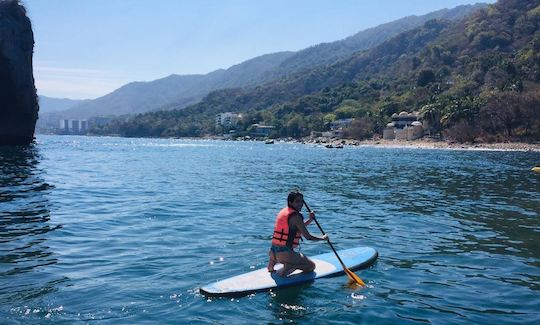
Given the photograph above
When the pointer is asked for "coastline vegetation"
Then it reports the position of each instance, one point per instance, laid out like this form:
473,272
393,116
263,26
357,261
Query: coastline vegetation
475,80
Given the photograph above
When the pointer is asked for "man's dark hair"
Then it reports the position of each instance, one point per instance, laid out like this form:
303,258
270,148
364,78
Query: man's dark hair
292,196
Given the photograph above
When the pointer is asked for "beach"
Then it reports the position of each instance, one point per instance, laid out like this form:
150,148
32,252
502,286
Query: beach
431,144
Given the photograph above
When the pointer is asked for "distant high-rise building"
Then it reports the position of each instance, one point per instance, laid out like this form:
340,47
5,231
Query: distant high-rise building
83,126
227,119
75,126
64,126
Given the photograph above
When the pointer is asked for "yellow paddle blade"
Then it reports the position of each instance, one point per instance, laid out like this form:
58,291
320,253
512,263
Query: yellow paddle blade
354,278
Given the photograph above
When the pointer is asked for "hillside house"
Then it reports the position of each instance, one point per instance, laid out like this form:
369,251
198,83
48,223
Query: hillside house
261,131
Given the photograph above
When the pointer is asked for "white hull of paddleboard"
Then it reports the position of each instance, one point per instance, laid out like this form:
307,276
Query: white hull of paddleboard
326,265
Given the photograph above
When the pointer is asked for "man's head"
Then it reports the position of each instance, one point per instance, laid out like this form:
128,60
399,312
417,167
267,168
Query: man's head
295,200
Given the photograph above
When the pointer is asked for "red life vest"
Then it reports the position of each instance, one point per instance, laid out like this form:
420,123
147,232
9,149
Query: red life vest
281,230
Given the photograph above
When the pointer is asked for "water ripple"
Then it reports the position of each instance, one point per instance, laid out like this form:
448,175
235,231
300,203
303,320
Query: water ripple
126,230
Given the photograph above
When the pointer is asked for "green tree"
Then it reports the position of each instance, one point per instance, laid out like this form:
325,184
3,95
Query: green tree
296,126
360,128
432,114
425,77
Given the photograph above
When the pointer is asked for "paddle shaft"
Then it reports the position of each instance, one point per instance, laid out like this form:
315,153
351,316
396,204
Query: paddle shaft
328,240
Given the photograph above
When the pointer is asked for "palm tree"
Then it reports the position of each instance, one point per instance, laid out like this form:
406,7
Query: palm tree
431,114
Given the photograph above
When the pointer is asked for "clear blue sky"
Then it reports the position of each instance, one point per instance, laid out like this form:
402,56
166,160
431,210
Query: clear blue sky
86,49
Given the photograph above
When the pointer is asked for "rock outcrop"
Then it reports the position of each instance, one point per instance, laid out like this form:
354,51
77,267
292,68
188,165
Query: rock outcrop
18,99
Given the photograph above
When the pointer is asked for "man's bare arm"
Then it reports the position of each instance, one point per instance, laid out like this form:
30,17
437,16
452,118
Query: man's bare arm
296,220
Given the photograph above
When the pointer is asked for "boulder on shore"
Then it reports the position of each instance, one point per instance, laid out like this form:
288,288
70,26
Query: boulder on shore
18,98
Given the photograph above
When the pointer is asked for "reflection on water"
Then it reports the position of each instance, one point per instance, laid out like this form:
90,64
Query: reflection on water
24,227
288,303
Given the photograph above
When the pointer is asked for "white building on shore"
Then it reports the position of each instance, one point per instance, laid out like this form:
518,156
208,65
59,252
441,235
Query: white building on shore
74,126
227,119
404,126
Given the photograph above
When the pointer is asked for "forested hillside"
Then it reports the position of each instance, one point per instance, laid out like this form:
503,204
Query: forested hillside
475,79
329,53
179,91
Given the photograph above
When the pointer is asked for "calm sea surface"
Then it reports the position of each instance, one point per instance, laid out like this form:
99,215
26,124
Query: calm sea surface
115,230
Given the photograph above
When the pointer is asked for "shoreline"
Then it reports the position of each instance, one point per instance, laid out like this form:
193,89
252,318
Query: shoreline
426,143
435,144
441,144
420,144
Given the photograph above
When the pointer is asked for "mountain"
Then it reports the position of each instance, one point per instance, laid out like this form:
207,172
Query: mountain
178,91
475,79
50,104
175,91
328,53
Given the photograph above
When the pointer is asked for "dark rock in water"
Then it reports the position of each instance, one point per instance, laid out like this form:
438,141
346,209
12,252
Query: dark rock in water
18,98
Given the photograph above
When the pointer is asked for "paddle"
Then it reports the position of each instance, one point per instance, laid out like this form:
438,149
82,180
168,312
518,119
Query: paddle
353,277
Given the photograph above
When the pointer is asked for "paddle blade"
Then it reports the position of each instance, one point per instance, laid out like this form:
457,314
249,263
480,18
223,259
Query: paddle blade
354,278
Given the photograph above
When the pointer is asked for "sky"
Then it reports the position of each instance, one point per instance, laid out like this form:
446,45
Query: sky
86,49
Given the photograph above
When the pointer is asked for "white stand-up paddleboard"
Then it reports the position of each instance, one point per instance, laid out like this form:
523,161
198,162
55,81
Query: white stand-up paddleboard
327,265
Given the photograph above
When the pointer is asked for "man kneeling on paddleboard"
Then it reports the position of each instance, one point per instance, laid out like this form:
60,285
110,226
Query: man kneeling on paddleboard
288,230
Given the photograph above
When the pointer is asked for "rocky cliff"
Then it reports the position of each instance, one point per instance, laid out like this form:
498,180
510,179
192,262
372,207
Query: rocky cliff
18,99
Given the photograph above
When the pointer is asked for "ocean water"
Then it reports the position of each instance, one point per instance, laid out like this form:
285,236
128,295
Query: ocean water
125,231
